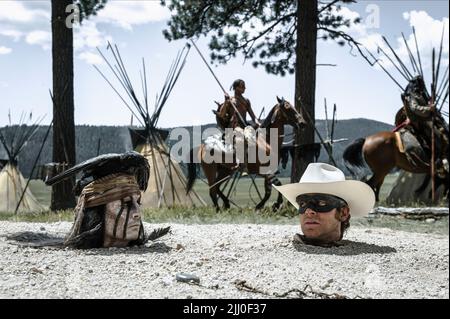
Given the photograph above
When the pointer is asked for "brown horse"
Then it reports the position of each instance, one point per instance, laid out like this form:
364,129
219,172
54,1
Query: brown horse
218,172
380,152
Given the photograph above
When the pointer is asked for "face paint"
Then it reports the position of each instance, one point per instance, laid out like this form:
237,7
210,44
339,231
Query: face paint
122,221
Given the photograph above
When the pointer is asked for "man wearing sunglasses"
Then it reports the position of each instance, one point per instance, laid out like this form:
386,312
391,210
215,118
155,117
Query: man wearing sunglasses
325,202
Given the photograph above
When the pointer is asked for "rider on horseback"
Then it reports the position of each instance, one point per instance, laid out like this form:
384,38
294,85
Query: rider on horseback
420,110
232,114
242,105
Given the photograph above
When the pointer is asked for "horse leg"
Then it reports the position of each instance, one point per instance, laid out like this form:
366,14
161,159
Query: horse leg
210,171
226,201
222,174
267,192
276,206
380,153
371,183
375,183
213,195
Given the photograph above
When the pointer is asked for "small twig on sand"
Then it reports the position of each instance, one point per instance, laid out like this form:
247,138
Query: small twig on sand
307,291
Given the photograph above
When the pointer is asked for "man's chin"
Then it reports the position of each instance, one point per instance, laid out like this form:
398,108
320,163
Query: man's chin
311,233
311,229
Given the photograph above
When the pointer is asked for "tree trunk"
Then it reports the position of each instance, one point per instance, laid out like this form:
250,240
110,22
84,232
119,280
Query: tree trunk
305,81
63,105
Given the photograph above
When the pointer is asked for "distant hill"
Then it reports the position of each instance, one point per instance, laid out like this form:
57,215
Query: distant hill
115,139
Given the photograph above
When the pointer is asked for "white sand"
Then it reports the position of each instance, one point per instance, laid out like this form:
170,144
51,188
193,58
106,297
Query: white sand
377,263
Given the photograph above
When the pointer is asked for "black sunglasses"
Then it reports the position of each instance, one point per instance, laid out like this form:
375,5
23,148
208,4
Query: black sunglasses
320,203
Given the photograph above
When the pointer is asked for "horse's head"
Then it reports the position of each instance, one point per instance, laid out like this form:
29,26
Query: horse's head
287,114
223,114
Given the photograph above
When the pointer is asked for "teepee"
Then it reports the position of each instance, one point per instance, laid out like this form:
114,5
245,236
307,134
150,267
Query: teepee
167,183
12,183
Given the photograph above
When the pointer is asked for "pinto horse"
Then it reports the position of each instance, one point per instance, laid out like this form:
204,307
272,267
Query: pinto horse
218,172
380,152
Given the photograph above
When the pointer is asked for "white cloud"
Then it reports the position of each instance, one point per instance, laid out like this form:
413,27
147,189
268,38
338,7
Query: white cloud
39,37
372,41
90,58
16,11
88,36
428,31
361,32
5,50
358,29
11,33
30,22
129,13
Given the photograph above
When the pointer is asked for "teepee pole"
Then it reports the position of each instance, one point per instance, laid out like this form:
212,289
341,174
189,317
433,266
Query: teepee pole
155,168
402,73
326,119
333,122
159,141
444,81
436,80
411,56
402,65
385,71
182,179
162,189
34,166
417,52
433,142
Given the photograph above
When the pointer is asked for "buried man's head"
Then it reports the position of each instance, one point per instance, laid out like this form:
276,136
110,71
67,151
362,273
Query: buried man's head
108,214
326,201
323,217
108,210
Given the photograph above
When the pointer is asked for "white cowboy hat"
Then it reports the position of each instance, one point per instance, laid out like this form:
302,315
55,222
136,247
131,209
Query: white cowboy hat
326,179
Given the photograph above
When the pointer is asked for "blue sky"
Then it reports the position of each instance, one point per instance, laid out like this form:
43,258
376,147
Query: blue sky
136,27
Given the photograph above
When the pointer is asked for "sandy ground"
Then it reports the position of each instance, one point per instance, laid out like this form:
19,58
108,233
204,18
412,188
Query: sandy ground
375,263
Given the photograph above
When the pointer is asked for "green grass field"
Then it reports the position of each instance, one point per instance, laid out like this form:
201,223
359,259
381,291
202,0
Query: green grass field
243,195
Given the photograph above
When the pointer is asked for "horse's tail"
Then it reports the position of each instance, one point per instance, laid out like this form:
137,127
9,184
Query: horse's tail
353,156
192,171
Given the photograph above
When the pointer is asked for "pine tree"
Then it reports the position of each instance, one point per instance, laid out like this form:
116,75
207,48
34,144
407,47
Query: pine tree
63,93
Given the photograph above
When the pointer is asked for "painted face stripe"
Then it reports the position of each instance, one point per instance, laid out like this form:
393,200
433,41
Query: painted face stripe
116,222
126,220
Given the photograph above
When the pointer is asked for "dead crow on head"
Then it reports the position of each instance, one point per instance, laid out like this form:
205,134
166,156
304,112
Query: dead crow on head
131,163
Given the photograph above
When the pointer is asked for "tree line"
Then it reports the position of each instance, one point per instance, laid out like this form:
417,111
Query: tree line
93,140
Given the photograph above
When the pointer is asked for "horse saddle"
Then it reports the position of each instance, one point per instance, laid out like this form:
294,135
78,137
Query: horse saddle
408,144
